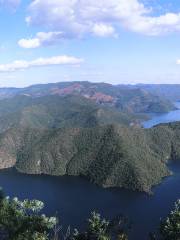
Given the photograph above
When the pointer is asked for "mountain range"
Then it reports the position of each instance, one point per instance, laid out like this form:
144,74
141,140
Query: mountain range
126,98
72,132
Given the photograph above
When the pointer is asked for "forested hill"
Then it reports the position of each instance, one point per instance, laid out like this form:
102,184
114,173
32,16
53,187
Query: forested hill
110,155
168,91
131,99
57,112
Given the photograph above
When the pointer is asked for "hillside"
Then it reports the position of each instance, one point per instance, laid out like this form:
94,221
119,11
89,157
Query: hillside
57,112
168,91
110,155
124,98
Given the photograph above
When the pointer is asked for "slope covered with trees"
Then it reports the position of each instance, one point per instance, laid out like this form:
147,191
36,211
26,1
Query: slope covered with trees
56,112
110,155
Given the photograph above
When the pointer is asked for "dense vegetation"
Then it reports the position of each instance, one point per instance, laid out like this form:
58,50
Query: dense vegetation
58,112
170,228
22,220
109,155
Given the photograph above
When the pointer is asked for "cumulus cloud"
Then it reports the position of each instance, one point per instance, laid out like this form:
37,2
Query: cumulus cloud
41,39
57,60
50,38
103,30
102,17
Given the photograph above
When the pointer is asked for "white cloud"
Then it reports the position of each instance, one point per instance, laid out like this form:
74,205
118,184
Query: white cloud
50,38
178,62
41,39
29,43
57,60
103,30
103,18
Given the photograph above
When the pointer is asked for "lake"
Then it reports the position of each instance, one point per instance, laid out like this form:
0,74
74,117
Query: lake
164,118
74,198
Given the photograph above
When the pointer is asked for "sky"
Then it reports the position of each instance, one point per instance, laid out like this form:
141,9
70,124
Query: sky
114,41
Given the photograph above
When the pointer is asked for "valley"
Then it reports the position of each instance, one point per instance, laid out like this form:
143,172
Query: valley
68,145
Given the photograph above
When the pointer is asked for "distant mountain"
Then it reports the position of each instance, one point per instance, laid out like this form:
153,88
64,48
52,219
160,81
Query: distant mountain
124,98
57,112
168,91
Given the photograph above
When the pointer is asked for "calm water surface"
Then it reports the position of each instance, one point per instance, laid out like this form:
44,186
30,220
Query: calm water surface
164,118
73,198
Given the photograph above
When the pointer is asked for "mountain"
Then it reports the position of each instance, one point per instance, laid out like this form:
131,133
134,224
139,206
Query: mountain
109,155
57,112
123,98
168,91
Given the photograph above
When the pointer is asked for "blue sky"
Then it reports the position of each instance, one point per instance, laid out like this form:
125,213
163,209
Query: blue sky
115,41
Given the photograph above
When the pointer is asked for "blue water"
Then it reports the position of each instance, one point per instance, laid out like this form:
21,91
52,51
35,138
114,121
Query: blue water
164,118
72,199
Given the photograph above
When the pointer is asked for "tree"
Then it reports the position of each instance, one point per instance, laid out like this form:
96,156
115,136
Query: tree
100,229
170,228
21,220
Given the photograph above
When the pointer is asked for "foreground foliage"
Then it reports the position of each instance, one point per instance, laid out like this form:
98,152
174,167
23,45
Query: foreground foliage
101,229
170,228
23,220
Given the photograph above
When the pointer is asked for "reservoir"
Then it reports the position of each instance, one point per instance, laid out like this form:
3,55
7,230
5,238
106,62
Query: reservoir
164,118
